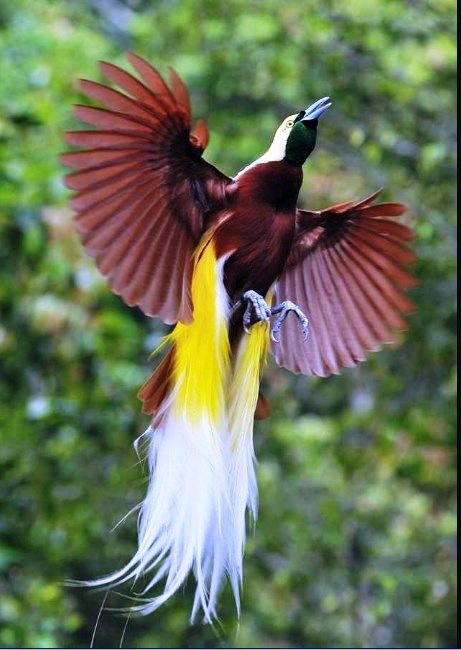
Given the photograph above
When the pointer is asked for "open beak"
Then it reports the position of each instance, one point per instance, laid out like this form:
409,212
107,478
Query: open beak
316,109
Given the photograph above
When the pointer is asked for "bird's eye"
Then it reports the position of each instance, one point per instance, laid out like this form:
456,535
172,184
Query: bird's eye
290,123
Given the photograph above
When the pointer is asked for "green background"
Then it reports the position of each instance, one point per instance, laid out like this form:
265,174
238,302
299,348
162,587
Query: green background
355,543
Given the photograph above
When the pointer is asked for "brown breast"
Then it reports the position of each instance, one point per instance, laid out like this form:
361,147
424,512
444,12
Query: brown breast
259,228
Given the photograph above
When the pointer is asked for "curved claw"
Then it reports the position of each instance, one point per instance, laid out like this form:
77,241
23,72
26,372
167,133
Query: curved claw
255,303
282,312
258,309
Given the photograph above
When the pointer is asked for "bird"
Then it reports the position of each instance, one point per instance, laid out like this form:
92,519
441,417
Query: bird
238,270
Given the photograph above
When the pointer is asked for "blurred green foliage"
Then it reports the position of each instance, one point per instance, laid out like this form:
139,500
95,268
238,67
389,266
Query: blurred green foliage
355,545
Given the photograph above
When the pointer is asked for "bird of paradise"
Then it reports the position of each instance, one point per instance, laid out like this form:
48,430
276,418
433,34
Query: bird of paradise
225,260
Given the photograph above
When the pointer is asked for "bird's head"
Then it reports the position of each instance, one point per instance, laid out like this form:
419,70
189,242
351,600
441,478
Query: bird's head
295,138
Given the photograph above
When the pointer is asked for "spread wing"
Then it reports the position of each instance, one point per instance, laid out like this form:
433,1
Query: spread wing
143,190
346,271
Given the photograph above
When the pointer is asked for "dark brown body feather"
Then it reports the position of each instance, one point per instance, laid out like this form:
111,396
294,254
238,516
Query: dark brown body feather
256,232
259,232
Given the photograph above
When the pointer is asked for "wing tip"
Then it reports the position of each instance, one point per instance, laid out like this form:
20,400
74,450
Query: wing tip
64,158
135,60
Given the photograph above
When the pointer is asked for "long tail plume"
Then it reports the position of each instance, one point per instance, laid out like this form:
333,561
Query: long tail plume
201,459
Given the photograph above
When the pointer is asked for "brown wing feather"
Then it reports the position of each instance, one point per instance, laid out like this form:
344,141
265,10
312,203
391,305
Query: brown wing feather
142,188
346,270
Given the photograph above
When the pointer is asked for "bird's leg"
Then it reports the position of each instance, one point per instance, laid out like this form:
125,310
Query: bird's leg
257,304
282,311
257,310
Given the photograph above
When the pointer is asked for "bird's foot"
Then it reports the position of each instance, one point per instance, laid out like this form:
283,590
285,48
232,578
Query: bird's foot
281,312
258,310
256,304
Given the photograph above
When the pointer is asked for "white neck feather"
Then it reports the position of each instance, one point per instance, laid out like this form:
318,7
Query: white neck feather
277,149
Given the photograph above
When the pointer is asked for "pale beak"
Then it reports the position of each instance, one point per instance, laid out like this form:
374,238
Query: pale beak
316,109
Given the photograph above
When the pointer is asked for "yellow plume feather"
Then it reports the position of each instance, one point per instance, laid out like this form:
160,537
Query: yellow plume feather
202,354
